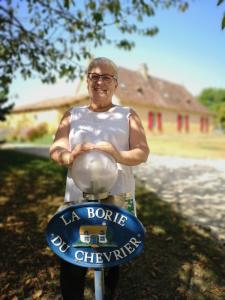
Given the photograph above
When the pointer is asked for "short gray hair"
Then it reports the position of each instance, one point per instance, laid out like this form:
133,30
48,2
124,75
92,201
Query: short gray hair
105,60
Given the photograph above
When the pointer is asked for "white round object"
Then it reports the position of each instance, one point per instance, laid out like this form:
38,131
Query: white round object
94,172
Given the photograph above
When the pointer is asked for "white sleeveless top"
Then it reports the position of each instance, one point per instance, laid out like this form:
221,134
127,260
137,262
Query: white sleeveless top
111,126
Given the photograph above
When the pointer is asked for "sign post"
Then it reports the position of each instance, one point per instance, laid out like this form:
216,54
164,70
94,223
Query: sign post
99,284
95,235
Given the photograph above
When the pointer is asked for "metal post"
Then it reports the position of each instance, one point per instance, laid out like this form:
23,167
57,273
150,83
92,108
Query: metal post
99,284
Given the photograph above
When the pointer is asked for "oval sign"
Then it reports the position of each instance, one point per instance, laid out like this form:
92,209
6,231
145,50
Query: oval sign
95,235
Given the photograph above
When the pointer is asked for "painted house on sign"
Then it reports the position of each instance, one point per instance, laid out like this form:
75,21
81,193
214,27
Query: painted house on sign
164,107
93,235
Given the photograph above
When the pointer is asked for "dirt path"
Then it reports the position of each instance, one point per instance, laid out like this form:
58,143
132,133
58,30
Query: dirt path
42,151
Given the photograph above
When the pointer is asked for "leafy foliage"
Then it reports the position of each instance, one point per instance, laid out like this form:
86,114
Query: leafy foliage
214,99
52,38
223,20
220,2
4,89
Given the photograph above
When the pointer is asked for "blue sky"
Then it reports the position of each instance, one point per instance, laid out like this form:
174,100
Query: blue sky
189,49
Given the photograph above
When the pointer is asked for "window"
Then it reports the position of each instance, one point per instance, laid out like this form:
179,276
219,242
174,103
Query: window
140,91
87,239
159,121
151,120
155,121
102,238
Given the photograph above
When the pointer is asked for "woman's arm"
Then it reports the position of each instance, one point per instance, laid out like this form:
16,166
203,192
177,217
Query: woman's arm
60,150
139,149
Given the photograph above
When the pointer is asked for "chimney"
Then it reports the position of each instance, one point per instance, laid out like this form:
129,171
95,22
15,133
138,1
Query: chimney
143,69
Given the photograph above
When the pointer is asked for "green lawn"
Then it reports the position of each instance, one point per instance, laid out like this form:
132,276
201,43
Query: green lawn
180,261
199,146
44,140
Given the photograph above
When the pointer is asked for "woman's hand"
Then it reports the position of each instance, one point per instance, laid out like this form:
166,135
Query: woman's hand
80,148
108,148
66,157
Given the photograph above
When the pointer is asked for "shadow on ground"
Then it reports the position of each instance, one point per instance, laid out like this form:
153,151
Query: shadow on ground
180,261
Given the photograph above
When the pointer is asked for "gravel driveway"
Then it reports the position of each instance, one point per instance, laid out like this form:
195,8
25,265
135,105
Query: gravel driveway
196,187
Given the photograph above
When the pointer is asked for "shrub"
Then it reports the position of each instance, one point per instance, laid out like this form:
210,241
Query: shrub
24,134
36,132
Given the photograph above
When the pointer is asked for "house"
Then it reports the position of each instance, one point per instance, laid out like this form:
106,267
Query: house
48,111
163,106
93,234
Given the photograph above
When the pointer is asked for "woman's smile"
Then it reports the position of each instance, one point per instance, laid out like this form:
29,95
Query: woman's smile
100,90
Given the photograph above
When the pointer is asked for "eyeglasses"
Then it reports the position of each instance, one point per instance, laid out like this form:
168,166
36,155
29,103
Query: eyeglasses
106,78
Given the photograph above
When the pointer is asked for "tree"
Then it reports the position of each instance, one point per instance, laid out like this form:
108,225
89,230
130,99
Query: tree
52,38
214,99
221,116
4,89
219,2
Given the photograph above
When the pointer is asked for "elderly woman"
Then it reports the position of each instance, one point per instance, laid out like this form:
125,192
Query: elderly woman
102,126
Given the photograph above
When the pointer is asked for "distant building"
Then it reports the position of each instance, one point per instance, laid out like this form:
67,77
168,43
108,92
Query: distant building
163,106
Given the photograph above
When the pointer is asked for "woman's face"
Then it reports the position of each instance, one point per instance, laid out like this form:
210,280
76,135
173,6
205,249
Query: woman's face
101,89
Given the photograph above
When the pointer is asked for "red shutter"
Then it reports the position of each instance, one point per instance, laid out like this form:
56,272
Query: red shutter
150,120
179,122
159,121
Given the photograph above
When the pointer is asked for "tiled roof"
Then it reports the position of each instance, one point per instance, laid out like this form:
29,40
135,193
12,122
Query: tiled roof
135,88
50,104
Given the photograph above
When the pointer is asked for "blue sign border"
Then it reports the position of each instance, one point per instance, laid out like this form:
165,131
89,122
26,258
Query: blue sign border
71,234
